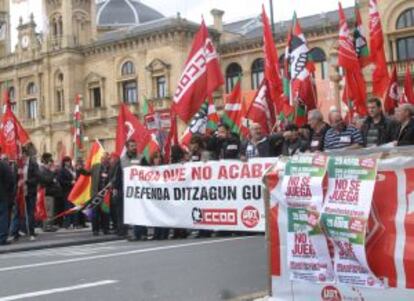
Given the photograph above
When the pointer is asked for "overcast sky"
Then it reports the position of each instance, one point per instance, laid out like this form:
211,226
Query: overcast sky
194,9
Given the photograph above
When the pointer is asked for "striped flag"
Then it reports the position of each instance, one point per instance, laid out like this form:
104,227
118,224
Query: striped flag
232,109
77,130
360,41
212,116
81,191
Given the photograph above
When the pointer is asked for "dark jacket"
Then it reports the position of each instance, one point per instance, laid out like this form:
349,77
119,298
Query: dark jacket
48,179
387,129
228,148
98,182
117,175
270,146
406,136
65,178
290,149
316,139
6,182
32,177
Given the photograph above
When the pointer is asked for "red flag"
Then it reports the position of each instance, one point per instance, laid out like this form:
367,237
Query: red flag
271,68
129,127
172,139
40,209
407,96
200,78
380,77
12,132
348,60
261,109
392,97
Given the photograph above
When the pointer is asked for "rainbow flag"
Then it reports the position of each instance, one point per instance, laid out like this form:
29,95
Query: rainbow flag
81,191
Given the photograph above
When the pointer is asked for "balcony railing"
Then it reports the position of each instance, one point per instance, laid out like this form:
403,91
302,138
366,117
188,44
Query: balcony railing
401,66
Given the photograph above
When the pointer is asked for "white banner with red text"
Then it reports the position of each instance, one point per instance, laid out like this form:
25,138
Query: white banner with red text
216,195
385,250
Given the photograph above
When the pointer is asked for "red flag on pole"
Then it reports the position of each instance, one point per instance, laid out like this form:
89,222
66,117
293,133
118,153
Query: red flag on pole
129,127
271,69
393,96
380,77
172,139
261,109
12,132
200,78
348,60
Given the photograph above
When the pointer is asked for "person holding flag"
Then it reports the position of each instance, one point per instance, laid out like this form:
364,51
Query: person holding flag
6,188
131,157
49,181
100,175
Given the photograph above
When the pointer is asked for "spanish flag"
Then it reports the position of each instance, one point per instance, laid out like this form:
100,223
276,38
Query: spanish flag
81,191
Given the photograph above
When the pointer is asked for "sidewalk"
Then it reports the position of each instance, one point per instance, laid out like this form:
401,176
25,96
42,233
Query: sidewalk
61,238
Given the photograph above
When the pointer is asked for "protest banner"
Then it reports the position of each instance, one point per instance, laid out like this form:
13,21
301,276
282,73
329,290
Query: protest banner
308,254
216,195
389,237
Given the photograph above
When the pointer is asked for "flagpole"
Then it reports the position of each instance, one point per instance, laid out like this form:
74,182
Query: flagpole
271,17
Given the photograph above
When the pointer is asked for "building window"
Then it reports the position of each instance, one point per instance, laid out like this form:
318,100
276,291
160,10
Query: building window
319,56
60,101
405,48
406,19
161,83
233,72
32,109
257,73
129,91
128,68
95,96
31,89
12,98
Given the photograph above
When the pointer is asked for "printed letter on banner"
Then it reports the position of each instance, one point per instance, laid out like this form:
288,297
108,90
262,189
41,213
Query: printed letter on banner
308,254
345,217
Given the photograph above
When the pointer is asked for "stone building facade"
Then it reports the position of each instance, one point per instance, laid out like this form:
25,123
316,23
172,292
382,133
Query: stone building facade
122,51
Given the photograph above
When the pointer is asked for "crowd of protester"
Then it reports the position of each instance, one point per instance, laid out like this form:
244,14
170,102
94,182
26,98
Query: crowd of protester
58,179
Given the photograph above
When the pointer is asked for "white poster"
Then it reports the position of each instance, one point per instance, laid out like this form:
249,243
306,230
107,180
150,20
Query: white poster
216,195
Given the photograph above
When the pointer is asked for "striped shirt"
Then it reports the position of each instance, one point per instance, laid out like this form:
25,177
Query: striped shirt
337,140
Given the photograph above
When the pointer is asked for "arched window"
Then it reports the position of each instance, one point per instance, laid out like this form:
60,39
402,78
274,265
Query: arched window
128,68
318,56
406,19
405,45
31,89
257,73
233,72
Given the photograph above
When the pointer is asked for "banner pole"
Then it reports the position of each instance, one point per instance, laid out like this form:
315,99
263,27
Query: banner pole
266,198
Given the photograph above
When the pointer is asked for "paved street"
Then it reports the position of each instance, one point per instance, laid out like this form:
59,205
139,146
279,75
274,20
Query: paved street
191,269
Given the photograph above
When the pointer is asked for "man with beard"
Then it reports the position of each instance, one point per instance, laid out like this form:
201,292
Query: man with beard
130,158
